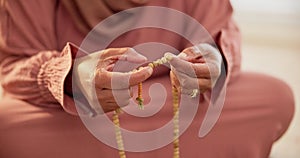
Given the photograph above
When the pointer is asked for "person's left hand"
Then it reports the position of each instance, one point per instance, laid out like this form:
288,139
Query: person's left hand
196,68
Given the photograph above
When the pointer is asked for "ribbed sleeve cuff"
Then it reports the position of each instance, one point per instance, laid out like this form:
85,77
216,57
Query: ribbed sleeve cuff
51,79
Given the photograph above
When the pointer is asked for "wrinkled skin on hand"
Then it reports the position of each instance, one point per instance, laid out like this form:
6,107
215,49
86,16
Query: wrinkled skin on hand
196,67
113,89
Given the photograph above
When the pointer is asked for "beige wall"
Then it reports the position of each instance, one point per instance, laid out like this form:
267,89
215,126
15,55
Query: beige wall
271,35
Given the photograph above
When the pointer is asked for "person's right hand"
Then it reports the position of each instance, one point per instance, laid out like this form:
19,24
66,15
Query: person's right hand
113,89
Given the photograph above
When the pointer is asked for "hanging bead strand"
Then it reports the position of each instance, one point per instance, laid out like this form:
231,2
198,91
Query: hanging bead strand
176,153
167,57
118,134
140,99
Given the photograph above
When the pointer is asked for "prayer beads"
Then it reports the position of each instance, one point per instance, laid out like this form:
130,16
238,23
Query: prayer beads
118,134
176,154
167,57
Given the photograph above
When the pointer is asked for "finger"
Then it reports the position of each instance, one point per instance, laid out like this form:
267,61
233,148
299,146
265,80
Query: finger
119,97
119,80
206,70
203,49
106,53
141,75
133,56
202,84
121,61
200,53
182,66
195,70
190,51
196,59
109,94
109,106
124,54
110,67
112,105
188,83
189,56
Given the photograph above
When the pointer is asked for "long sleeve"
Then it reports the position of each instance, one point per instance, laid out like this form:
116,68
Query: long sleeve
216,17
31,68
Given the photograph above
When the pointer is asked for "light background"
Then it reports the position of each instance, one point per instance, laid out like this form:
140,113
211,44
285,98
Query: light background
271,44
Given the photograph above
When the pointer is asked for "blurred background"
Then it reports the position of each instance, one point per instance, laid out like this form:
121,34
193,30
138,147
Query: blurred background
271,45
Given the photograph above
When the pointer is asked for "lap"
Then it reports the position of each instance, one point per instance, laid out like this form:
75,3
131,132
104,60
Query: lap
257,110
266,95
30,131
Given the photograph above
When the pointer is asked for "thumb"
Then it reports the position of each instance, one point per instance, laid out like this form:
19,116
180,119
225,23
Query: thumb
119,80
140,75
132,55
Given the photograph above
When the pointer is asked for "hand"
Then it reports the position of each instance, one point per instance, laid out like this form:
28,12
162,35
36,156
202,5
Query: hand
112,89
196,68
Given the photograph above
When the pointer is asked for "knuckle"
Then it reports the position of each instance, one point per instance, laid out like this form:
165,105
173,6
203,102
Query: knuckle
101,96
207,87
140,76
103,104
98,75
101,79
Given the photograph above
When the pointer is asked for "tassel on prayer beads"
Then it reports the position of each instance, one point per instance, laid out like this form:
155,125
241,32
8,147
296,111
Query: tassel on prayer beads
167,57
140,99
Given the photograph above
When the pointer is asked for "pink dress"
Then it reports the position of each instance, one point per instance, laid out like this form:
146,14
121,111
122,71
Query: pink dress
36,58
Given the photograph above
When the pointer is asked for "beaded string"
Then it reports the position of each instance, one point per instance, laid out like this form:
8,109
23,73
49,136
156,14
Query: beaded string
175,122
167,57
119,138
140,100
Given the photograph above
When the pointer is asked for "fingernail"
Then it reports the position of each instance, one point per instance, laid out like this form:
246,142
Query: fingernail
142,57
138,55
